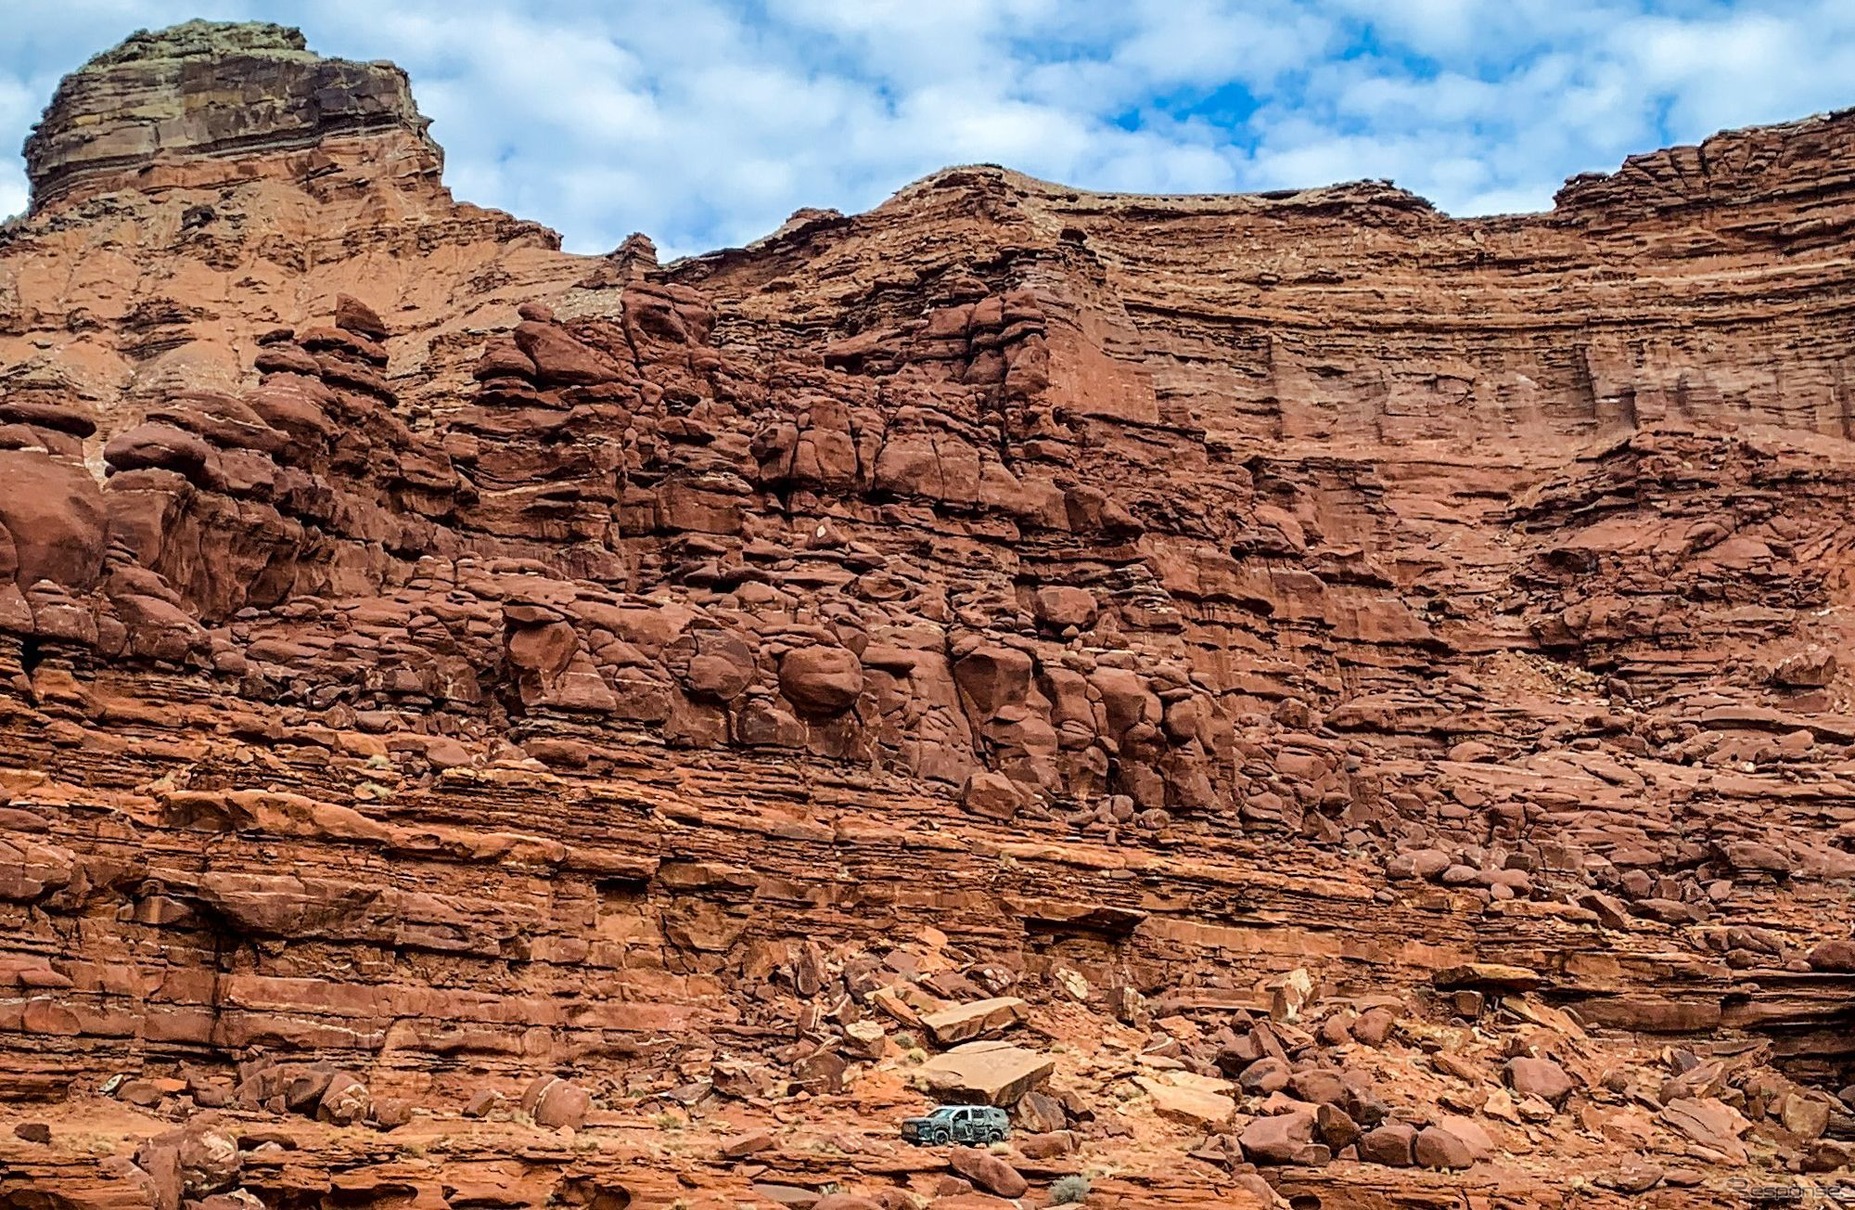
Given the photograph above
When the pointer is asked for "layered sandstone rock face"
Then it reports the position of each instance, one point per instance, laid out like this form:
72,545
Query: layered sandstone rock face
198,103
1290,694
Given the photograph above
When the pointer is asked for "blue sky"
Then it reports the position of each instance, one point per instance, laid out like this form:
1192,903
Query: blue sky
706,122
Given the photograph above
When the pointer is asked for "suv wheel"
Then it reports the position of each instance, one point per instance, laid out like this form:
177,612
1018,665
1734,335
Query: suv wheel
994,1136
938,1136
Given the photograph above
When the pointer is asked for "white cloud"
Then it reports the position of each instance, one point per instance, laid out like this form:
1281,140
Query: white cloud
12,194
1207,43
708,121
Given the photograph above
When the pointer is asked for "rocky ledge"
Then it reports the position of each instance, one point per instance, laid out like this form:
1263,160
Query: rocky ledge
161,103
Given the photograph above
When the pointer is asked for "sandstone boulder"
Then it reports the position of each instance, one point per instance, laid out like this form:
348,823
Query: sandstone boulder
1061,606
751,1143
52,521
821,680
1199,1108
345,1101
1336,1127
1541,1078
201,1157
560,359
158,446
1283,1138
553,1102
1374,1026
1710,1123
1811,668
1438,1148
1836,957
1317,1086
1452,1142
353,315
993,795
1266,1075
1041,1113
990,1073
978,1019
988,1172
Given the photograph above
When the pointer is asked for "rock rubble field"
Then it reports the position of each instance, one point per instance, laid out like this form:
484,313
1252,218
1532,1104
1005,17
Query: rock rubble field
1303,700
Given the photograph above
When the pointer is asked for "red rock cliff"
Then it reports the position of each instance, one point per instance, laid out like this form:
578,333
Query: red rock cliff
1339,687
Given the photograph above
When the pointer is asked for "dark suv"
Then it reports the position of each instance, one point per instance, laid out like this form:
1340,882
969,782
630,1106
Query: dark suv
958,1124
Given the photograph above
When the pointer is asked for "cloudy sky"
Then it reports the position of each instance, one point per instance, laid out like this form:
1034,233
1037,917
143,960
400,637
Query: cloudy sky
706,122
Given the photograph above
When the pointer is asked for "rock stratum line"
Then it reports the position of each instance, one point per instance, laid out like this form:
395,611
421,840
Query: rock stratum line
1301,698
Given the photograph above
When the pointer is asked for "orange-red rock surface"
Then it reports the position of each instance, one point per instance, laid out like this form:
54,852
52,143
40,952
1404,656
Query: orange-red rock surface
1298,696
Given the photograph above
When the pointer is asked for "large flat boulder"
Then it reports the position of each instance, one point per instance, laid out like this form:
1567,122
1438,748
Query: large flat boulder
1201,1108
1710,1123
979,1019
990,1073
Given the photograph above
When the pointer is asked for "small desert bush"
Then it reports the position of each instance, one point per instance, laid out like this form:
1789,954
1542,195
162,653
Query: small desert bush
1069,1191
